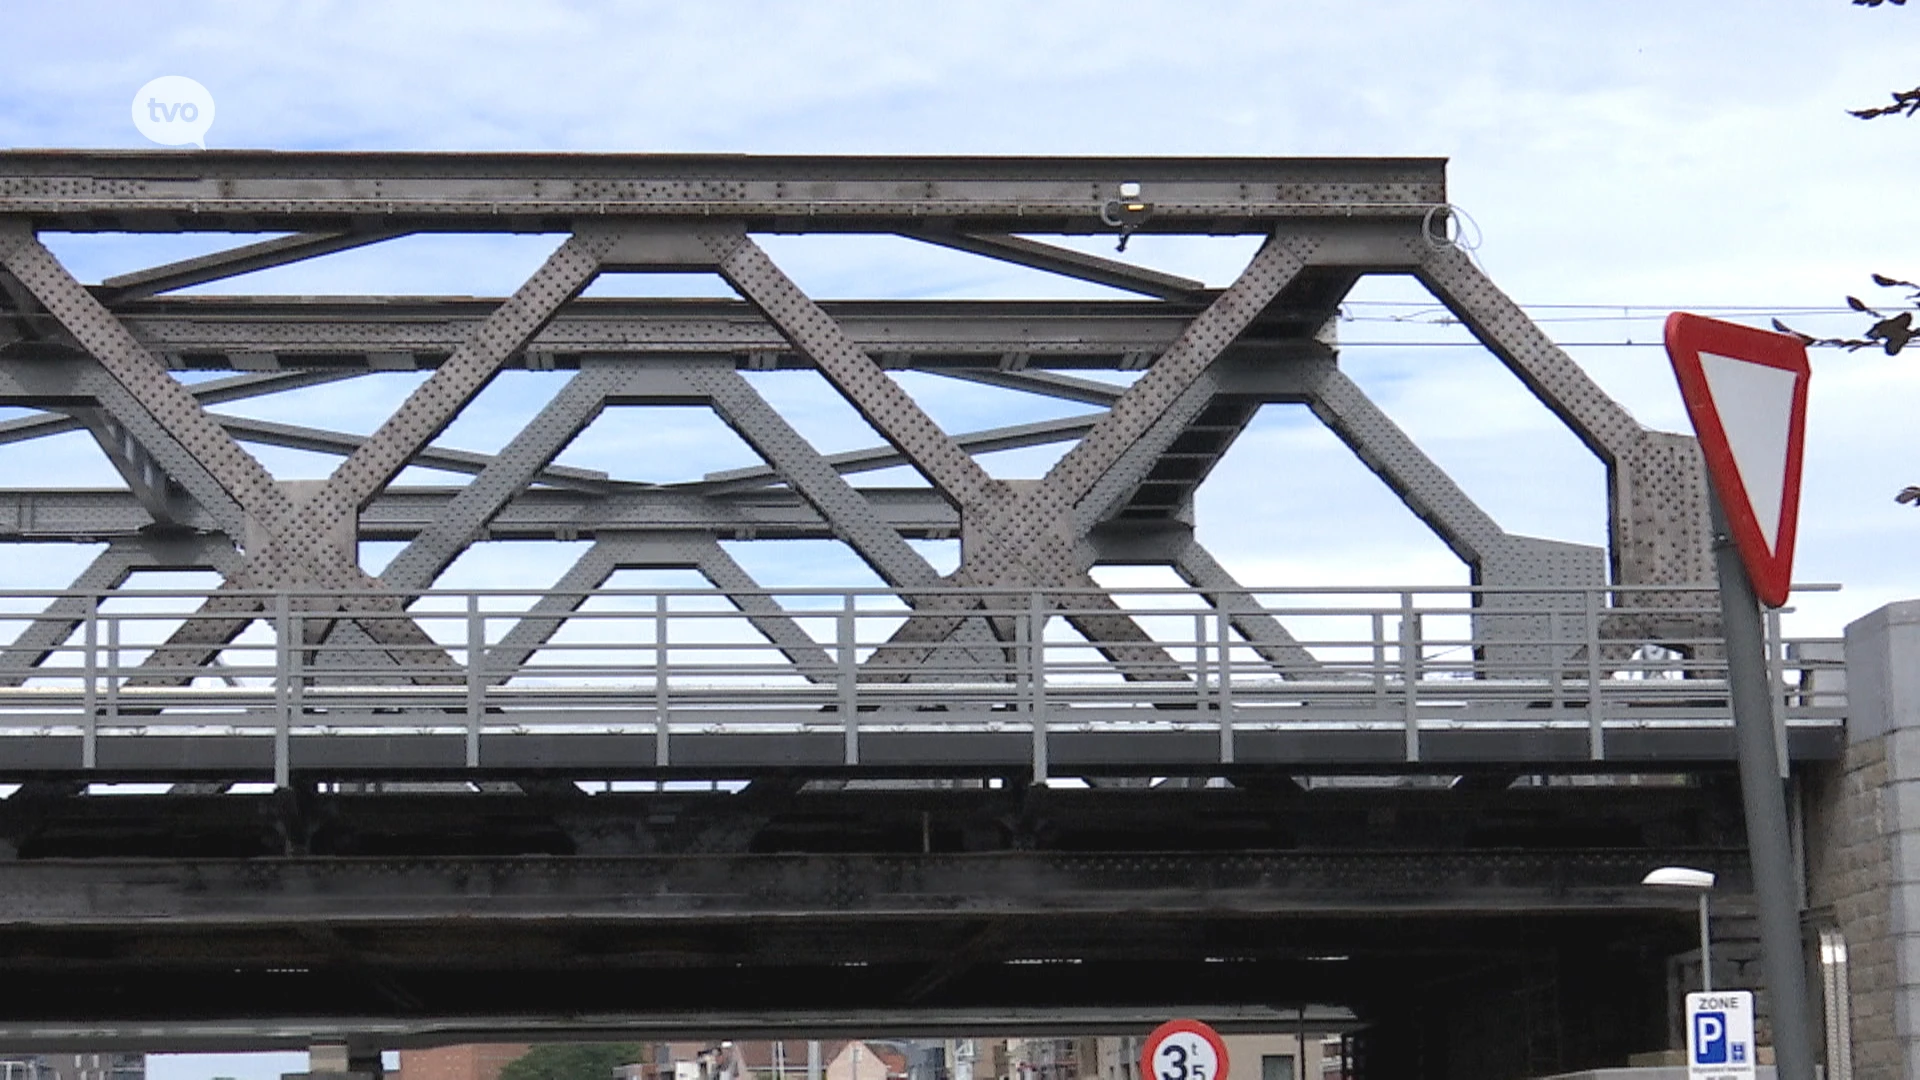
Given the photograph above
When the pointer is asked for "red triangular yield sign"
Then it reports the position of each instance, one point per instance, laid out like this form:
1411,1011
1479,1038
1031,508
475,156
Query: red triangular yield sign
1746,392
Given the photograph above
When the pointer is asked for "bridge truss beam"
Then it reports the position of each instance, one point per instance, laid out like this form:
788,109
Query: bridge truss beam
100,358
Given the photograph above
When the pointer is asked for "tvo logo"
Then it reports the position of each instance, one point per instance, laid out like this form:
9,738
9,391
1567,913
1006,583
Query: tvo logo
174,110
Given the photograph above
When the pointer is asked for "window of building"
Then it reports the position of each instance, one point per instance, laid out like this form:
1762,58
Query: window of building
1276,1067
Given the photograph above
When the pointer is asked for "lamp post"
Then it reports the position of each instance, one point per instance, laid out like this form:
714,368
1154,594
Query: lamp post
1696,881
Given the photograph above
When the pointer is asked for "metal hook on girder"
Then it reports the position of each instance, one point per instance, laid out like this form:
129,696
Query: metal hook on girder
1127,215
1457,228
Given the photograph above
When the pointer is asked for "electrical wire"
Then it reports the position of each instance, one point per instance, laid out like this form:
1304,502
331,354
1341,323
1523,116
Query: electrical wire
1446,225
1344,344
1418,313
1434,315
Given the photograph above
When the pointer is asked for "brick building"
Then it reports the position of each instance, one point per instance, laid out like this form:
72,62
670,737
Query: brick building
478,1061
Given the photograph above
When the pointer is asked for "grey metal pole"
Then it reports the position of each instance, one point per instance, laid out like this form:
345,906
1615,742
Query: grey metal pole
1706,948
1768,845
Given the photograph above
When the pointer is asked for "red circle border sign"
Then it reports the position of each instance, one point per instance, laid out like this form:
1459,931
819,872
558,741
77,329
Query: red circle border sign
1182,1027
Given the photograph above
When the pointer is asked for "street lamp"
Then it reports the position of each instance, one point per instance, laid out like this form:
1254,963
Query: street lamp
1698,881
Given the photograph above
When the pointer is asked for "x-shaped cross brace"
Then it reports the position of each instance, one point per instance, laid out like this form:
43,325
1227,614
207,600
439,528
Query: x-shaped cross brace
295,548
1015,539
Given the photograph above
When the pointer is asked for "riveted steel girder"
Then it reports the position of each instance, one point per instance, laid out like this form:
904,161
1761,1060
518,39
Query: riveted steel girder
35,516
407,333
252,190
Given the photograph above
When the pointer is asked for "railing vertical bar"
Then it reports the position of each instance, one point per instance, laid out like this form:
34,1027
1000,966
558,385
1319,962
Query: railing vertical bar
1037,681
1201,675
1410,672
662,754
294,670
1022,670
847,637
476,683
1380,661
113,671
1556,663
1596,709
1777,682
1225,696
90,722
282,722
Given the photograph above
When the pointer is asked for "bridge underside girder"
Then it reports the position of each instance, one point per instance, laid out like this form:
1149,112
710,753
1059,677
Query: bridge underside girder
782,903
711,748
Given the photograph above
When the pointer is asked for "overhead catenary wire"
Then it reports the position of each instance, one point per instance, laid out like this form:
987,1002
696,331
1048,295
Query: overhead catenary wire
1426,313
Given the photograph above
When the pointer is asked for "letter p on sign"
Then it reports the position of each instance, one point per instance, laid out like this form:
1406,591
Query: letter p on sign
1710,1038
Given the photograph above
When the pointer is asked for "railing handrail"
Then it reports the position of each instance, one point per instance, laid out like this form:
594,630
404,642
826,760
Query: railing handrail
887,591
1421,658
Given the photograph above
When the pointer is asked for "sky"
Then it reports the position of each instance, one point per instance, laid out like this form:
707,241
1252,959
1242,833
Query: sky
1618,160
1637,157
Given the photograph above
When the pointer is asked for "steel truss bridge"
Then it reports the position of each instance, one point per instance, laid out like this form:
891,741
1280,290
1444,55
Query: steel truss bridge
997,797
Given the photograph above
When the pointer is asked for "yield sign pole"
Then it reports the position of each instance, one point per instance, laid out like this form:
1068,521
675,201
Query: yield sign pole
1746,392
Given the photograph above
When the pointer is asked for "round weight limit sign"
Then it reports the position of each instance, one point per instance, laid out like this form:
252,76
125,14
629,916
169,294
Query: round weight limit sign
1183,1050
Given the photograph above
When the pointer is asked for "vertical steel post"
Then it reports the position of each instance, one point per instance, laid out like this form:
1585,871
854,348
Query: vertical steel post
1556,678
90,722
1037,680
847,637
294,670
1777,692
661,753
1706,947
113,671
282,723
476,684
1226,687
1022,662
1768,844
1410,672
1596,708
1837,991
280,659
1200,673
1380,661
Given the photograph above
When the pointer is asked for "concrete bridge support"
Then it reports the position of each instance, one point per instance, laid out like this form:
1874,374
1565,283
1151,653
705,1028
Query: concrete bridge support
1863,848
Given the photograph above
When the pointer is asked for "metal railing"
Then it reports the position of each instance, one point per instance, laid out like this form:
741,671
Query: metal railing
673,663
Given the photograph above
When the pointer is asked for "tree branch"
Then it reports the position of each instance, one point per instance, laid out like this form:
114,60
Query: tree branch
1905,102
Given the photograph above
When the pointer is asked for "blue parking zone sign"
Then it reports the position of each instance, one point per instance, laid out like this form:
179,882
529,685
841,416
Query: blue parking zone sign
1720,1036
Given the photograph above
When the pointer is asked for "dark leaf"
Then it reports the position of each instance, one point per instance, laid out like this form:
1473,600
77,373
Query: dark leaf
1786,329
1894,332
1854,303
1908,495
